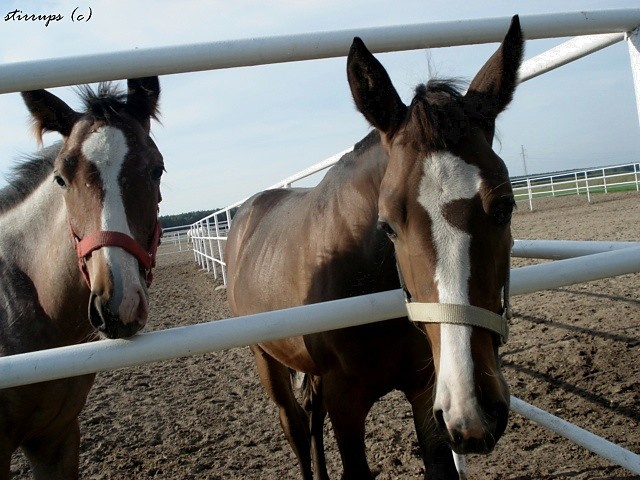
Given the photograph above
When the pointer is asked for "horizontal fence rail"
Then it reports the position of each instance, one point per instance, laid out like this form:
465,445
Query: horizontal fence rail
561,249
582,437
578,182
308,46
222,334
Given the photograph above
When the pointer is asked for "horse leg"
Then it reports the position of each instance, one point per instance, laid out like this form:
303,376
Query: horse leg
55,456
436,454
313,403
5,459
348,405
276,380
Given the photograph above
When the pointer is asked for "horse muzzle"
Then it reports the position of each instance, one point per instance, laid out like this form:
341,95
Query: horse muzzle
118,321
477,434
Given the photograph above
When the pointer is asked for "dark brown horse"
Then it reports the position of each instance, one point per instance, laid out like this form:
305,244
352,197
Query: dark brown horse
78,234
424,195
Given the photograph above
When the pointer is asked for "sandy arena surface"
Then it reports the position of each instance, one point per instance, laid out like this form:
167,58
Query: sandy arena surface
574,351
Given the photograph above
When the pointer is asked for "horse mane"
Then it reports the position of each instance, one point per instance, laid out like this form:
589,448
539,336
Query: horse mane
28,175
436,117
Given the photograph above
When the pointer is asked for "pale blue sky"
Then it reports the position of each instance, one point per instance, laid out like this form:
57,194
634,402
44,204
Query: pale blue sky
226,134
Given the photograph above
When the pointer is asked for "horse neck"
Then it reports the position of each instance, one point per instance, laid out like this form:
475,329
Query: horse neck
39,244
361,255
361,171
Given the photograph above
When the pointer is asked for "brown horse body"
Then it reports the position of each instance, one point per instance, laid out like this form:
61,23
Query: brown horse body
45,300
427,189
342,258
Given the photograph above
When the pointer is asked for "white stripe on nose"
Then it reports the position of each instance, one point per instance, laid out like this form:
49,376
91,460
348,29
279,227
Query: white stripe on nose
107,149
447,178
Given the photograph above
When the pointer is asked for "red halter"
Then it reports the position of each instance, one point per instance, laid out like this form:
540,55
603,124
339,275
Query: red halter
146,259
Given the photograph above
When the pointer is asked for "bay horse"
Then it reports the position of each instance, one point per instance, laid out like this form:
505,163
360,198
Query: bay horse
78,235
422,202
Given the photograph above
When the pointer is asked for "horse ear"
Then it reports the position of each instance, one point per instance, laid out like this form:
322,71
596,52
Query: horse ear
142,99
492,88
50,114
372,90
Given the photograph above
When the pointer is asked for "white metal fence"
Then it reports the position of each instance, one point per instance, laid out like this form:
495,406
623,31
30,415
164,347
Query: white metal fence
597,30
579,182
174,240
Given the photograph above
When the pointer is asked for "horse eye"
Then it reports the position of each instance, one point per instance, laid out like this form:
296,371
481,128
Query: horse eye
156,172
386,228
59,180
503,210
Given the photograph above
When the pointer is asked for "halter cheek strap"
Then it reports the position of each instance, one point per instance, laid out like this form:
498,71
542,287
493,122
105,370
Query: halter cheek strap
146,258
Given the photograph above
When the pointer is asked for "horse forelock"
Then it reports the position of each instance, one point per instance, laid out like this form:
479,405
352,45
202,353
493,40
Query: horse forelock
107,102
436,117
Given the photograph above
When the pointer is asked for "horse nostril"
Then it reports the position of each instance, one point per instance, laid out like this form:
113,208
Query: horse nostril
95,311
439,416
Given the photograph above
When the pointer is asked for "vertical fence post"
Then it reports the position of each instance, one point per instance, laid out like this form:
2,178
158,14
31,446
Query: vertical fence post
530,194
633,43
210,252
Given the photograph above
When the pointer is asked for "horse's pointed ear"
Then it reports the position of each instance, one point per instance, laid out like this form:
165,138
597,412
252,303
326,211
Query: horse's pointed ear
142,99
372,90
492,88
49,113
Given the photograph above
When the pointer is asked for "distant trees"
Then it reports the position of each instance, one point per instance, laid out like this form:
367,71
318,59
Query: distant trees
185,218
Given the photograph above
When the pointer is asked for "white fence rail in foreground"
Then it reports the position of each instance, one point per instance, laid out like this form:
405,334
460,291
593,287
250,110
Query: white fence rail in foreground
168,344
58,72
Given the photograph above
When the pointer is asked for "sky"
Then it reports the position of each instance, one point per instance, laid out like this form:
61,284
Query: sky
226,134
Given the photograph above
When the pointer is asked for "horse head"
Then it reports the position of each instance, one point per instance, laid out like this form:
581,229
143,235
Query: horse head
445,202
108,171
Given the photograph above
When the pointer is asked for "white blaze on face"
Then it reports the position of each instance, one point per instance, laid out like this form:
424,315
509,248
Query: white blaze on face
447,178
107,149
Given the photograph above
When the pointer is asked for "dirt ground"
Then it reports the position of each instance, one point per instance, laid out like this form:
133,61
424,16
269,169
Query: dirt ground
573,351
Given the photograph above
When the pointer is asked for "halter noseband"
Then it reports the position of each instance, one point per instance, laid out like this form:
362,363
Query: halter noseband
94,241
460,314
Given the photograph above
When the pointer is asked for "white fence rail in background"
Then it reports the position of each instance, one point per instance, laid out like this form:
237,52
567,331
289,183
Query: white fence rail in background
603,27
177,238
578,182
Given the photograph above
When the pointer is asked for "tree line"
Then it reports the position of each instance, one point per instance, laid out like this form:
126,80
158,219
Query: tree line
187,218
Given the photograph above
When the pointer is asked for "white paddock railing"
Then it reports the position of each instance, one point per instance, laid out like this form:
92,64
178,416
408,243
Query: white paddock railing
175,237
578,182
603,28
235,332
